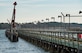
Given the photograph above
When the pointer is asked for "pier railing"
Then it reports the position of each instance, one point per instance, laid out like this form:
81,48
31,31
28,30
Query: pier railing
61,37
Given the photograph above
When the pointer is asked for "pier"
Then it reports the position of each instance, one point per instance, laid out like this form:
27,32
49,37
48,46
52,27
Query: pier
53,40
55,37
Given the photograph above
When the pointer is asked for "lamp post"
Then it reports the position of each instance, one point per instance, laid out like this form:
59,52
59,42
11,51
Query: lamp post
77,35
42,23
68,15
53,21
63,16
60,20
61,27
80,12
39,25
63,19
48,22
53,18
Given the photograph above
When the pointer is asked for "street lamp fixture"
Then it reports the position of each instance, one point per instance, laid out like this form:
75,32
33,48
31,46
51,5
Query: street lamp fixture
67,15
60,17
47,19
80,12
42,20
53,18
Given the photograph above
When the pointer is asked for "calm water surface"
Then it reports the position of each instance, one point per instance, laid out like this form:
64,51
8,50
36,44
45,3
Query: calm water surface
17,47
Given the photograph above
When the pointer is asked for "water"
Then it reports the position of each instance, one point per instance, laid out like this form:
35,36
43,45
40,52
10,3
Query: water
17,47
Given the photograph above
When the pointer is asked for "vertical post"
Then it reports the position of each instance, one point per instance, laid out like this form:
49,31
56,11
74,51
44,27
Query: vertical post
53,19
42,24
55,36
58,37
64,29
61,27
78,42
39,25
61,38
60,21
63,20
65,38
48,22
68,15
73,39
69,38
77,35
69,23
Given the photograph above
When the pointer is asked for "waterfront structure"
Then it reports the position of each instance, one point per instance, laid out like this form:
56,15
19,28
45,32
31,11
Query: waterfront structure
11,33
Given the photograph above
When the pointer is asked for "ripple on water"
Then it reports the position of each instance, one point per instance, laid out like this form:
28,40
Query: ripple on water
19,47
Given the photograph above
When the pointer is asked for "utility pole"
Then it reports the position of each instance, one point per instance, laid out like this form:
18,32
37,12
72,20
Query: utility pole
63,20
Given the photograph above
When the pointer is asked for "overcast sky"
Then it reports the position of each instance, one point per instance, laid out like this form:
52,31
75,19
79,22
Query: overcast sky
36,10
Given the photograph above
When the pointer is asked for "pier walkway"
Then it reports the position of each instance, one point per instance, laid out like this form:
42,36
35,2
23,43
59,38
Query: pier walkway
55,41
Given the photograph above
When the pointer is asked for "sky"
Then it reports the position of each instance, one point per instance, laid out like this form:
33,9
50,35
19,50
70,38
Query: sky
37,10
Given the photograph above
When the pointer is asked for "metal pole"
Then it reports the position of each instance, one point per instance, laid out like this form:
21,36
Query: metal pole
78,43
53,20
60,26
63,20
69,22
60,20
48,22
68,15
64,28
42,24
39,25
